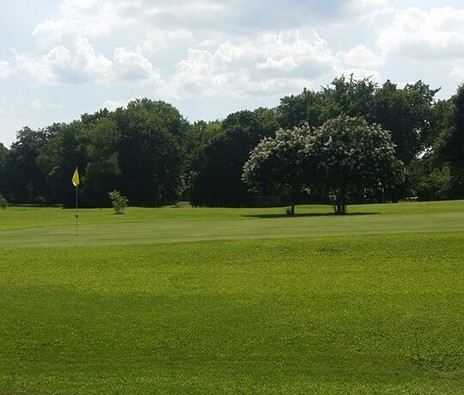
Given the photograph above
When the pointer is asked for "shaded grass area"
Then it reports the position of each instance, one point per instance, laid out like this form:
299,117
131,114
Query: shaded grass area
324,315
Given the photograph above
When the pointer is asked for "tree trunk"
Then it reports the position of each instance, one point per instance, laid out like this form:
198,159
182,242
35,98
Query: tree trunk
340,201
292,201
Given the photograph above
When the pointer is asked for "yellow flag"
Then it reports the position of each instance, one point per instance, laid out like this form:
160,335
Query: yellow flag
75,178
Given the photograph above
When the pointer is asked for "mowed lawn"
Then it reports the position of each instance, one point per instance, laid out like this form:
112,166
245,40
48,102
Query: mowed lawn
228,301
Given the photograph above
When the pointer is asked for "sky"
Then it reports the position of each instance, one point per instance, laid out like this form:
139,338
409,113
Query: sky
63,58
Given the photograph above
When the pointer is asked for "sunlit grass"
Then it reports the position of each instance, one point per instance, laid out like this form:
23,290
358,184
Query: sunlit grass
256,312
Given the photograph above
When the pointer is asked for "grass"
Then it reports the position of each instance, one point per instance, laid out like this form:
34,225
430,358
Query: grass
54,227
261,303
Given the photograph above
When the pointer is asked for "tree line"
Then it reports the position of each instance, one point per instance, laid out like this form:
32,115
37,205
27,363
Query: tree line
151,154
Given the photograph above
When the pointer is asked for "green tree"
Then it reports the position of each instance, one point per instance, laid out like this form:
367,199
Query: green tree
3,155
451,146
296,110
200,135
218,180
278,163
151,151
429,180
408,115
25,179
352,156
65,149
103,162
342,96
348,96
3,175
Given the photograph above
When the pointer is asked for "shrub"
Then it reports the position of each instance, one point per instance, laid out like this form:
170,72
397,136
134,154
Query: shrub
118,201
3,202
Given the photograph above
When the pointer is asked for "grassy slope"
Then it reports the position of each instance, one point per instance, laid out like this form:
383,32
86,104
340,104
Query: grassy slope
379,313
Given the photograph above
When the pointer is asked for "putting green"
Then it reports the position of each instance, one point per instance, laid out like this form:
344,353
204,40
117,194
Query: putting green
56,227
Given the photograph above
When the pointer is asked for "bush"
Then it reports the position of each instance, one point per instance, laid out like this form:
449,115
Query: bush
3,202
118,201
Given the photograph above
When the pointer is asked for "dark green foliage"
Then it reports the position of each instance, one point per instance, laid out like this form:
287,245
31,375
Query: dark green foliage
138,150
66,148
428,181
3,202
154,156
3,175
151,152
102,169
343,96
199,135
452,148
25,181
408,114
348,96
218,180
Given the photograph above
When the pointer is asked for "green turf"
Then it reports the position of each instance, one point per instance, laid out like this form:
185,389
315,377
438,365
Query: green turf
34,227
335,306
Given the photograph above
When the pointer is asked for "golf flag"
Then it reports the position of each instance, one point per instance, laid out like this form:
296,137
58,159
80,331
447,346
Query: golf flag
75,178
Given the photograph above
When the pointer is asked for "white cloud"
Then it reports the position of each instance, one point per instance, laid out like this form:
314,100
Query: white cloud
82,64
264,64
5,69
291,50
458,73
359,56
39,105
432,35
49,33
371,8
158,39
133,66
359,61
79,64
213,56
88,18
89,63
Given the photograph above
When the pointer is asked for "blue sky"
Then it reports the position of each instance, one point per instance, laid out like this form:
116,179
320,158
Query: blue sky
62,58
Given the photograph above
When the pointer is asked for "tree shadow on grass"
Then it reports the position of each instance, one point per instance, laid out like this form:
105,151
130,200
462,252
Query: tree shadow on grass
284,215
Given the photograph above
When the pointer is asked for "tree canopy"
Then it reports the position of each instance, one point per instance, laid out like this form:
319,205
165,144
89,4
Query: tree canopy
344,156
278,163
218,178
451,145
353,157
154,156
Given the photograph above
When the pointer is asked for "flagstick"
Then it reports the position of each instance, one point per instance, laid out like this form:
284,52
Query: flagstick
75,182
77,214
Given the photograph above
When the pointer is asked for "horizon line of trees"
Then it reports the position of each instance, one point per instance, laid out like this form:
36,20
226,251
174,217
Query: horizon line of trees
151,154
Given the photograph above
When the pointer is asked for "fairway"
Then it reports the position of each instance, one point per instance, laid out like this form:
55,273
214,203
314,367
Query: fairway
227,301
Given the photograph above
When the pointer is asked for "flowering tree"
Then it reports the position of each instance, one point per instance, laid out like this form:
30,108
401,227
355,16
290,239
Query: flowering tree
278,162
343,156
352,155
